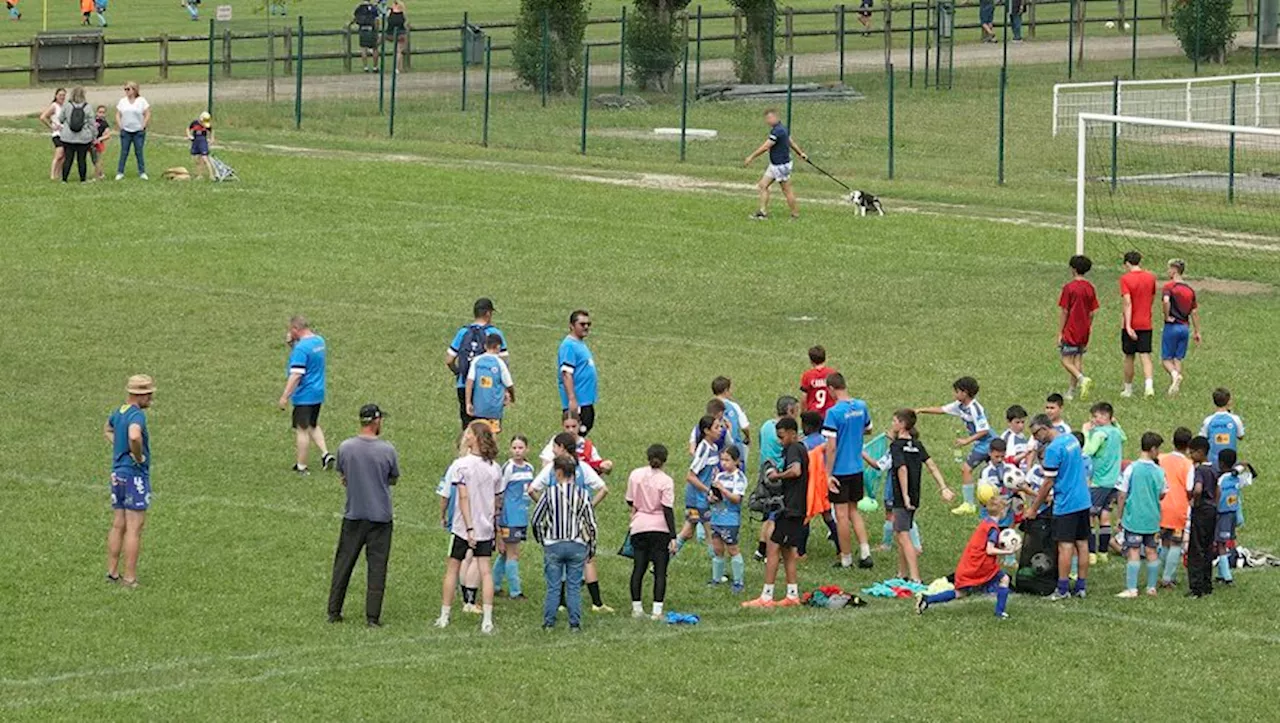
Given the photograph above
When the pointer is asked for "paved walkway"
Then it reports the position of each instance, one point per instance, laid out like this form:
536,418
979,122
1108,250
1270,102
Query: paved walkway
32,101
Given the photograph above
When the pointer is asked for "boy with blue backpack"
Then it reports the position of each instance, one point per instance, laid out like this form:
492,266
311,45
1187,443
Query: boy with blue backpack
489,387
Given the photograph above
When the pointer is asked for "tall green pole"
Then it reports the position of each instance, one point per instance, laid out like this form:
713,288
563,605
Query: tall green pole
1133,61
465,30
1231,151
684,101
488,59
928,38
1115,128
382,65
546,54
841,25
697,54
1196,59
1071,40
791,69
622,54
586,95
1257,38
911,49
773,46
951,48
395,73
297,92
1004,85
209,103
891,121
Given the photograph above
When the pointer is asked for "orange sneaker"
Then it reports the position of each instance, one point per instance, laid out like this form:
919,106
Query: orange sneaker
760,602
788,602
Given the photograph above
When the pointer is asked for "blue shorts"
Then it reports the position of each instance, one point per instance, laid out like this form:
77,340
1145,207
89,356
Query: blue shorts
697,515
986,12
1173,341
1101,498
100,5
513,535
130,493
200,147
989,587
1137,541
727,535
976,459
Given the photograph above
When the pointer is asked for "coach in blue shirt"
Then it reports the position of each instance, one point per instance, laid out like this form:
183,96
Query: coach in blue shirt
577,375
1065,477
305,389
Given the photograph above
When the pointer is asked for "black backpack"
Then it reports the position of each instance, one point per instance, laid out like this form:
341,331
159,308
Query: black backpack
766,498
471,346
1038,559
77,119
366,14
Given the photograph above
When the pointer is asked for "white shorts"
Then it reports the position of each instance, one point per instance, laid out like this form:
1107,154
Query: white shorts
779,173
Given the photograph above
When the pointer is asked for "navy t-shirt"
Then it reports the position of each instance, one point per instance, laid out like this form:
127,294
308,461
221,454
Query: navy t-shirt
780,151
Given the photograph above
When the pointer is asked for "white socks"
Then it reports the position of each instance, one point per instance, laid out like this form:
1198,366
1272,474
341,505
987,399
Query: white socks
846,560
793,590
865,550
637,608
767,592
488,615
657,610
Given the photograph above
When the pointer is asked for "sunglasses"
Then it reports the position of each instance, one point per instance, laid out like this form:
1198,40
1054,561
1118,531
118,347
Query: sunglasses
584,323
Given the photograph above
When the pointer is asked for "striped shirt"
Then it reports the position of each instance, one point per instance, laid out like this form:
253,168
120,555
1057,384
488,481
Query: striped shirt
564,514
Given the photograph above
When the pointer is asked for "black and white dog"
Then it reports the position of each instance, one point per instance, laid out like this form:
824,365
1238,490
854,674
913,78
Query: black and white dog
866,202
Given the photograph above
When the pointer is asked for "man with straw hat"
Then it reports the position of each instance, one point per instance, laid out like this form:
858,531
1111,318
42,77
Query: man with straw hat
126,430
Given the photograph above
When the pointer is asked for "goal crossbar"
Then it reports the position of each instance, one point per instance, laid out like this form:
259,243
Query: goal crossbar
1188,85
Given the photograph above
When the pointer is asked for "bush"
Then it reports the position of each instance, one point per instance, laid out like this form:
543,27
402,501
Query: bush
567,22
755,57
654,43
1210,20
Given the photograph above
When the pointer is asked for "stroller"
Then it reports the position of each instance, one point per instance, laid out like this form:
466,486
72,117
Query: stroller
221,171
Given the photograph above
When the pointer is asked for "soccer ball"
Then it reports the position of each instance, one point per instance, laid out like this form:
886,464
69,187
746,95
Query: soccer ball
1010,540
1110,24
985,492
1013,479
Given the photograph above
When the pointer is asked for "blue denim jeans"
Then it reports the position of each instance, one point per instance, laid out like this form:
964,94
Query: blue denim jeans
137,140
563,562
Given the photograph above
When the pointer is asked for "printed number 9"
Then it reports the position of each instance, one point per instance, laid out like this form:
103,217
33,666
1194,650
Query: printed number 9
820,396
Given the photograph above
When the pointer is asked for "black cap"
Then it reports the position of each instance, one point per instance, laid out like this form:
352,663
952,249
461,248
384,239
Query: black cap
483,306
370,412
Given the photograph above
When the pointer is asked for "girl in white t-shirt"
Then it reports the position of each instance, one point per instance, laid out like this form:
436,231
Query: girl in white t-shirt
133,117
50,118
478,479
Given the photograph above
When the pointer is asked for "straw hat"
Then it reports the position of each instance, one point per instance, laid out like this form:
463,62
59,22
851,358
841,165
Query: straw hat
140,384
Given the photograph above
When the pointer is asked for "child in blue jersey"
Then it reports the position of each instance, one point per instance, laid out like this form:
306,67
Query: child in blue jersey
974,416
702,470
994,474
738,427
489,386
513,524
1231,480
727,490
1017,443
1224,429
1139,491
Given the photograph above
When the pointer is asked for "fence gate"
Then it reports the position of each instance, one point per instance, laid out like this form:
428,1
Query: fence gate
67,55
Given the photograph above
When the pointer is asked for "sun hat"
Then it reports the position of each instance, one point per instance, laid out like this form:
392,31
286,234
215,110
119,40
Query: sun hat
140,384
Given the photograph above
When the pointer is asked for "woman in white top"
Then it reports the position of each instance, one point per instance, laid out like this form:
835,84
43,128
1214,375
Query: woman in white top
50,118
478,480
133,116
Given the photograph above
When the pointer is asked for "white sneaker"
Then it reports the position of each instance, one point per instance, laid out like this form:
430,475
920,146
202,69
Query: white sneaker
1127,594
1071,394
1126,393
486,628
119,176
637,614
1176,384
657,617
143,176
1150,391
442,622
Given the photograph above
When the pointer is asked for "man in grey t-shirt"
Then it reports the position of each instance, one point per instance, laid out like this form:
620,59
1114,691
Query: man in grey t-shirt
368,467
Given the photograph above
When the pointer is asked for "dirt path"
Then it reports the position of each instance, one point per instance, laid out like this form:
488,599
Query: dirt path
32,101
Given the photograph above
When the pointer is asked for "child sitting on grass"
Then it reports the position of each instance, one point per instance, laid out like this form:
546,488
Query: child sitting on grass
1140,490
978,571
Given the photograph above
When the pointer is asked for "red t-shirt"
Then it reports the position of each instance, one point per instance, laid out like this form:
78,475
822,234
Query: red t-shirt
1080,301
976,567
1182,301
1140,286
814,385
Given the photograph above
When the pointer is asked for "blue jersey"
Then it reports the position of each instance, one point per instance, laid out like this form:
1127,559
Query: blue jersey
993,474
1229,492
515,498
1224,431
1064,461
122,464
725,513
846,423
456,350
448,491
975,421
307,358
705,465
780,151
576,359
737,419
490,379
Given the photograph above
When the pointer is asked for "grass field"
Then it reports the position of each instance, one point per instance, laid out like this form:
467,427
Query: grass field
385,253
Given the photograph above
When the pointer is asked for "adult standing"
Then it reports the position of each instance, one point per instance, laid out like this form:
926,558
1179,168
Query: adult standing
1065,478
564,523
398,31
50,119
1137,294
577,378
478,481
779,147
1181,323
365,18
305,389
469,343
368,466
133,117
651,497
126,430
77,129
845,426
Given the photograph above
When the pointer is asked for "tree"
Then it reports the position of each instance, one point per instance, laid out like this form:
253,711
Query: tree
1204,27
566,23
655,43
754,60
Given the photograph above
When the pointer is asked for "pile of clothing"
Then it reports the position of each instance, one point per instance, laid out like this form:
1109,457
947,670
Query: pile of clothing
831,597
895,588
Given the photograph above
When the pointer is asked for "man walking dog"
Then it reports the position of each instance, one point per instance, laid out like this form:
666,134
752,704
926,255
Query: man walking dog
779,147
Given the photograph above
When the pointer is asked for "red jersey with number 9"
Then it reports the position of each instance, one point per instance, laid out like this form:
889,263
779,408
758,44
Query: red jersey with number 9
814,385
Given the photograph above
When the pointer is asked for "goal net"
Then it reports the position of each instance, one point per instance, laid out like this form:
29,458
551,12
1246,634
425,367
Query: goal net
1199,100
1164,185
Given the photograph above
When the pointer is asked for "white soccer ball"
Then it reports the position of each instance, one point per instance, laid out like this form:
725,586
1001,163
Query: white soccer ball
1110,24
1010,540
1013,478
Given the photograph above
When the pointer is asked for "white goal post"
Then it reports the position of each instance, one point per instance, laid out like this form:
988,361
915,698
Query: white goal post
1203,100
1085,119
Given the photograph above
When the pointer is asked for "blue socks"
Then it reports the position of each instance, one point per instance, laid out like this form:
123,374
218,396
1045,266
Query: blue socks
969,497
499,572
915,535
513,578
1131,574
1062,585
1002,600
679,546
739,568
717,569
1172,559
1153,573
1080,584
1224,568
941,597
886,538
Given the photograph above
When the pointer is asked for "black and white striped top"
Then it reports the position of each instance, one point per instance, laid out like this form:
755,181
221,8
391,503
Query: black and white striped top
564,514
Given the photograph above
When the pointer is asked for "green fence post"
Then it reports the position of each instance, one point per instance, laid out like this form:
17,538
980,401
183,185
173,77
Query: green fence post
297,93
937,48
891,121
1115,128
951,49
1231,151
791,69
928,38
773,50
1071,39
911,50
622,57
465,22
1004,85
546,54
697,54
488,59
1133,62
586,95
684,101
395,73
841,44
1257,38
382,66
209,104
1196,58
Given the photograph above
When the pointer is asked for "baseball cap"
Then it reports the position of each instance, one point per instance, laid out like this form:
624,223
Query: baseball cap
370,412
484,305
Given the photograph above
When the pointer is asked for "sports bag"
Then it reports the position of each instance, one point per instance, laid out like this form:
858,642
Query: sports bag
76,121
1038,560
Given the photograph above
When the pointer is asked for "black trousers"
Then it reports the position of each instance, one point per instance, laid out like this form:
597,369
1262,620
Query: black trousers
80,153
375,538
650,547
1200,549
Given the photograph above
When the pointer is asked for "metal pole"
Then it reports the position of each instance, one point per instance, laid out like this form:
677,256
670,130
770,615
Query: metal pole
1080,158
382,64
951,47
1257,39
891,121
1133,61
928,38
586,95
465,23
1071,40
1115,128
1004,44
697,54
791,69
773,48
546,54
841,43
395,73
1231,151
1196,58
1000,152
937,50
911,50
297,92
622,57
209,104
488,60
684,101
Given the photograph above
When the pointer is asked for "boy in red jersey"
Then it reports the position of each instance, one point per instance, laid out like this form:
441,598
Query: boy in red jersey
1181,323
1137,293
1076,303
813,382
978,571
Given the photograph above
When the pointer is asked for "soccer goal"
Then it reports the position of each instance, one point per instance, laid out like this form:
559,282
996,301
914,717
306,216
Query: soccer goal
1164,184
1197,100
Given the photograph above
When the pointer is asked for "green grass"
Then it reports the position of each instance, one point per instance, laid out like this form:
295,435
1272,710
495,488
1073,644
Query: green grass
193,283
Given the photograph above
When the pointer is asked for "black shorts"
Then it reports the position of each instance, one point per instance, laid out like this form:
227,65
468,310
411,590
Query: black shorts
462,408
788,531
1102,498
483,548
851,489
368,37
1141,345
306,416
57,142
1072,527
903,519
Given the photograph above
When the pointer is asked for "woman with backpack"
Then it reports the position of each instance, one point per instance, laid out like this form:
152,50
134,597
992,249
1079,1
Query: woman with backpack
77,131
50,118
133,115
